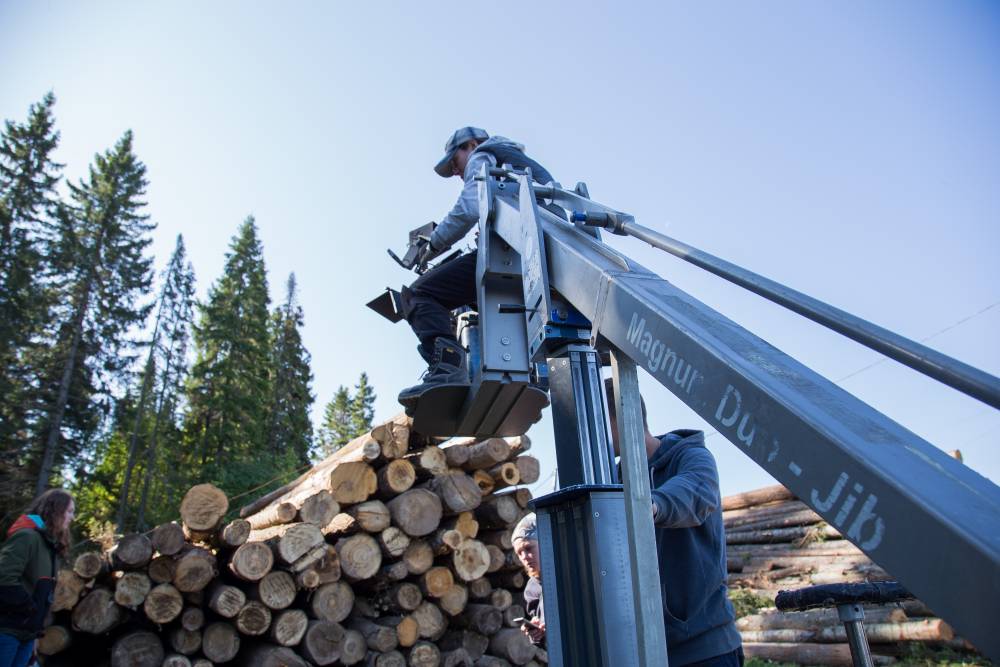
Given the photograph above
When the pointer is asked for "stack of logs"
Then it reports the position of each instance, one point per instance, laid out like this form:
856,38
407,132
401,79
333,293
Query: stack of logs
393,551
775,542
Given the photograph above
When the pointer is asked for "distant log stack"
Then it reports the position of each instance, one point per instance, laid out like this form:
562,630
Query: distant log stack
395,550
775,542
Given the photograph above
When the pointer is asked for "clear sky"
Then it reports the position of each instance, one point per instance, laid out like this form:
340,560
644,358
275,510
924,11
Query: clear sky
850,150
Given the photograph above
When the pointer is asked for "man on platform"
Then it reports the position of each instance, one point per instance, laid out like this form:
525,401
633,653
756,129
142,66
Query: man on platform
525,540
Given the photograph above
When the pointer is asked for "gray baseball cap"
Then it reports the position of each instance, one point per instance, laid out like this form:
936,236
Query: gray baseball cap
461,135
526,529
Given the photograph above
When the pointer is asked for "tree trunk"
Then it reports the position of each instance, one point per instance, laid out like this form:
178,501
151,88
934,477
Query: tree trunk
377,637
488,453
504,475
192,618
321,642
185,642
436,581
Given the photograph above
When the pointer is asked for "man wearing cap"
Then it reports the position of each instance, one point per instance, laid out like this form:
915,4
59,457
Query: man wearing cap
428,302
525,541
690,545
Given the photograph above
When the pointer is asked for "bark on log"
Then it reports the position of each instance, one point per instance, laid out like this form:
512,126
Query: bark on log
69,587
253,619
393,542
185,642
814,618
226,600
55,639
470,560
735,518
417,512
233,534
195,570
360,556
318,509
419,557
498,512
163,604
528,468
203,507
504,475
454,600
804,654
456,456
162,569
395,478
424,654
137,649
430,621
512,644
220,642
168,538
90,565
393,436
428,462
276,590
377,637
131,589
458,491
273,515
288,627
488,453
519,444
332,602
252,561
757,497
132,552
781,534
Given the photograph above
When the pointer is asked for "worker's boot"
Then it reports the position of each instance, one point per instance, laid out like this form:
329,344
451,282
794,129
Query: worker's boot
448,366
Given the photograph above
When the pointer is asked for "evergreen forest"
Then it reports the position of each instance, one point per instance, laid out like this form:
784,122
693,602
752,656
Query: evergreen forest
116,381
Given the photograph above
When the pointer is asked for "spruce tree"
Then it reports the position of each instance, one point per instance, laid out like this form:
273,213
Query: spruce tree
103,235
362,406
335,431
230,385
290,429
28,177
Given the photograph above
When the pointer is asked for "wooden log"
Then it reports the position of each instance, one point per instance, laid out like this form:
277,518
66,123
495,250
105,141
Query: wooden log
393,542
394,436
328,568
428,462
522,496
386,659
491,661
306,562
319,508
168,538
488,453
387,575
480,588
757,497
225,600
161,570
290,541
454,600
332,602
233,534
377,637
498,538
925,630
352,482
804,654
407,631
814,618
470,560
132,552
90,565
163,604
288,627
202,509
276,590
497,512
473,643
436,581
195,569
269,655
251,561
360,556
424,654
372,516
498,558
528,468
395,478
464,522
176,660
444,541
736,518
501,598
417,512
307,580
456,456
431,623
185,642
419,557
457,658
504,475
519,444
822,531
803,517
69,588
131,589
192,618
137,649
205,662
513,645
514,580
55,639
273,515
511,614
482,618
220,642
484,481
403,597
321,642
457,490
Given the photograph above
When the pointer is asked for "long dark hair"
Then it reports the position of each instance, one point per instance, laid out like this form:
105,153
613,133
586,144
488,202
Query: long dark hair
51,506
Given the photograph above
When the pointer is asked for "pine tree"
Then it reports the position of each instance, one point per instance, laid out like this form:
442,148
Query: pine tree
230,386
362,410
28,177
173,312
335,431
100,254
290,429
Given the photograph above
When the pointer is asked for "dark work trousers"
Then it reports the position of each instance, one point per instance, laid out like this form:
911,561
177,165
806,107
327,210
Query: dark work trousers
435,294
731,659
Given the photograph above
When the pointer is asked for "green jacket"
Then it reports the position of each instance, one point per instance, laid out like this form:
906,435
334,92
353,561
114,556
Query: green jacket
27,578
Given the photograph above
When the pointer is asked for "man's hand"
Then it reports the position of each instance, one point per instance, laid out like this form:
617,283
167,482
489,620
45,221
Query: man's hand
425,252
655,509
535,630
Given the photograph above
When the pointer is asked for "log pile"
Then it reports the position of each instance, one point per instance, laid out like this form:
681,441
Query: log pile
393,551
775,542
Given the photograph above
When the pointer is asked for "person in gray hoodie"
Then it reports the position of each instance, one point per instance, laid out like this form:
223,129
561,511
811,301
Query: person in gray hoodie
691,546
428,302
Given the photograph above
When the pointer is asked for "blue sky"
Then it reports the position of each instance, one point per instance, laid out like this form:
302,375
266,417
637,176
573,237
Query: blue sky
850,150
